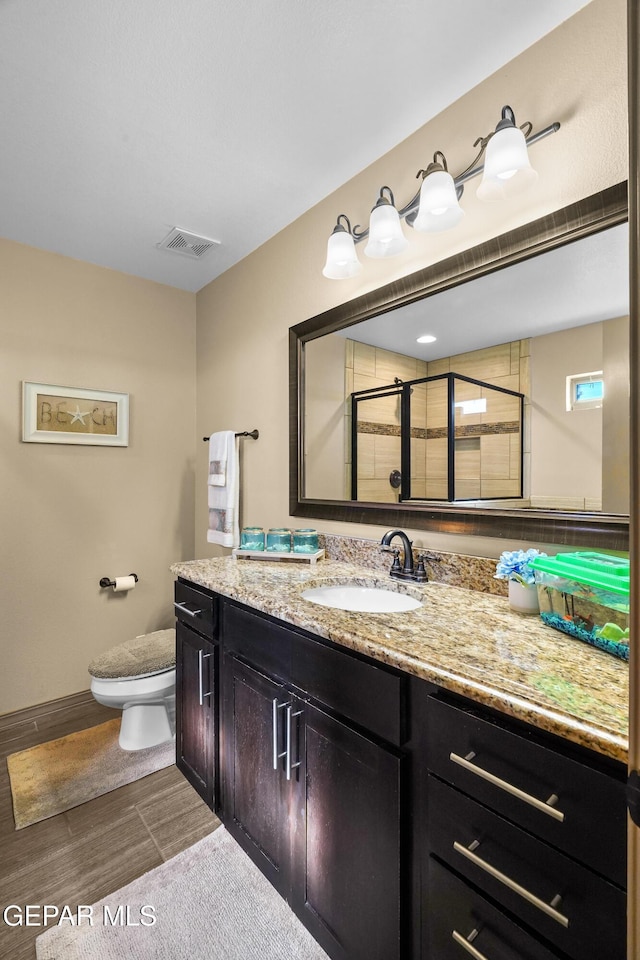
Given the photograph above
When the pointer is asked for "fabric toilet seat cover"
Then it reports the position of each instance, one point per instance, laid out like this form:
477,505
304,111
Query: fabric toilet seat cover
141,657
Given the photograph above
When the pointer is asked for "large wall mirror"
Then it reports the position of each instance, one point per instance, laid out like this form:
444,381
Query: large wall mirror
512,422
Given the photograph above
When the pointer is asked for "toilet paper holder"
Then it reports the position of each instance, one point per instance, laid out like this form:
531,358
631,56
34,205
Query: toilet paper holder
106,582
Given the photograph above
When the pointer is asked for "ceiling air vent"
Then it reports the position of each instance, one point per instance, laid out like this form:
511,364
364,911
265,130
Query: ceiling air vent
187,244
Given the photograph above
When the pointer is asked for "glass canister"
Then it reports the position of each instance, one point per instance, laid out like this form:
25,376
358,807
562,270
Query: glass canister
252,538
305,540
279,540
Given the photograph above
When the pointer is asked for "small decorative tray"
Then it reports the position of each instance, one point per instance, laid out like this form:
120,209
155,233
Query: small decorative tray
275,555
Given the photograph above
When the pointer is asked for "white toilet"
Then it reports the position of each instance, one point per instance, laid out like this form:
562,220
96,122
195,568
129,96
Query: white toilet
139,678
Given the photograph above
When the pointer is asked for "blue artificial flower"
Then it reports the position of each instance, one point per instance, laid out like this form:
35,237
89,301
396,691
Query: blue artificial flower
514,565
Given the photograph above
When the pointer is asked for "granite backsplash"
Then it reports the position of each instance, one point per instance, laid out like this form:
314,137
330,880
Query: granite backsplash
454,569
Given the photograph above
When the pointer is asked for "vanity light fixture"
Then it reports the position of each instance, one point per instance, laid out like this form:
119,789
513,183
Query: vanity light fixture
342,259
386,237
439,208
427,338
506,171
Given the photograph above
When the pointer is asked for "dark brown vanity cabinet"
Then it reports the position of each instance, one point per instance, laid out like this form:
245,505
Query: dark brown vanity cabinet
399,821
525,851
196,690
314,798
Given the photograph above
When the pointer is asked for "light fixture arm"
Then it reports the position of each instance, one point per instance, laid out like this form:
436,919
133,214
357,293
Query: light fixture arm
435,164
339,228
410,210
382,199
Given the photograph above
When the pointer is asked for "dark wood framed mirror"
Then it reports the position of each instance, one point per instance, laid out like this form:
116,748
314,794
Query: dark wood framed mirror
579,528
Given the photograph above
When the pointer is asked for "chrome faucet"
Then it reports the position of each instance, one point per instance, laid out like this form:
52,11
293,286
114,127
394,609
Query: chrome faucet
407,571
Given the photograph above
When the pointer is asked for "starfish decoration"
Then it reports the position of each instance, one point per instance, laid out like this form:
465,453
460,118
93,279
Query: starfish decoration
78,416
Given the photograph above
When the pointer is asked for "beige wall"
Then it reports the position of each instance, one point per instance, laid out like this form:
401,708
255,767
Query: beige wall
576,75
566,468
325,438
585,448
72,514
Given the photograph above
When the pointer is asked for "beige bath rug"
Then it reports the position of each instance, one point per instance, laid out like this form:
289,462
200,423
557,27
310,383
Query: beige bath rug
209,903
60,774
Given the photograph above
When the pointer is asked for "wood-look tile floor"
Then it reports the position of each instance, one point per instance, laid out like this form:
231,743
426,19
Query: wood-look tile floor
80,856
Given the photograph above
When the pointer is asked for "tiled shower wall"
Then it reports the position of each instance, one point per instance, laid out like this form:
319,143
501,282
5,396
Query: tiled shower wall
488,444
379,447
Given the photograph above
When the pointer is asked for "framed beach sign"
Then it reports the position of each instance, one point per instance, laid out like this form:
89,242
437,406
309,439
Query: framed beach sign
55,414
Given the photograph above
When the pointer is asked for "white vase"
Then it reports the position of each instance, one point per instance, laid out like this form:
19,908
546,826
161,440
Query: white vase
523,597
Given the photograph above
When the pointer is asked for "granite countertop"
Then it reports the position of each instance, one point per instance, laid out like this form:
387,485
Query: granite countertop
463,640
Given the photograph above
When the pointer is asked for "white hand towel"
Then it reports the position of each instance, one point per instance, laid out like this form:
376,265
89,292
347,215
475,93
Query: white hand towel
224,500
219,443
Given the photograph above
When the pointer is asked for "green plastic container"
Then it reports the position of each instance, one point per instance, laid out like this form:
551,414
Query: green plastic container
587,596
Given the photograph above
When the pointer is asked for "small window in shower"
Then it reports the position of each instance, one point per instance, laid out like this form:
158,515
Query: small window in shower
585,391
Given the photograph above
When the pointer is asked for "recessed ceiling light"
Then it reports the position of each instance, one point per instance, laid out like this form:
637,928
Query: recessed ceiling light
426,339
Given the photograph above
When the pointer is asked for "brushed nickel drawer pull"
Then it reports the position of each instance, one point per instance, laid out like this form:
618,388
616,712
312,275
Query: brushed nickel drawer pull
465,942
183,609
547,806
511,884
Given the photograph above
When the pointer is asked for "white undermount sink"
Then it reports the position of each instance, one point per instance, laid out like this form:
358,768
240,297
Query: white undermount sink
361,599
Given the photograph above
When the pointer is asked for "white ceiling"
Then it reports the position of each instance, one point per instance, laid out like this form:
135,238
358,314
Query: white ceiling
579,283
123,119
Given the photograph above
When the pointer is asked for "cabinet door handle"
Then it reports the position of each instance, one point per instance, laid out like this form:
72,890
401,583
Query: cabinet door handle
202,656
548,908
274,730
546,806
288,764
466,944
182,607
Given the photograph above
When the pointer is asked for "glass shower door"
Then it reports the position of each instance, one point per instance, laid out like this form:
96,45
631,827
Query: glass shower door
376,457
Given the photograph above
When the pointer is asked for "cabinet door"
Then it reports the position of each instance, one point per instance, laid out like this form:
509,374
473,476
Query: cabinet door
196,710
347,837
256,793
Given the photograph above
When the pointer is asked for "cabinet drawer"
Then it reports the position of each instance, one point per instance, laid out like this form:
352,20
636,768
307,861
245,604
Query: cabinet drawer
360,691
588,819
455,910
568,905
260,641
196,608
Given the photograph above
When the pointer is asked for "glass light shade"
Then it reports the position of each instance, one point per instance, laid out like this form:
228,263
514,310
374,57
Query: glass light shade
386,237
439,208
342,259
507,170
